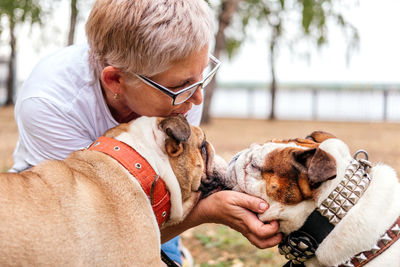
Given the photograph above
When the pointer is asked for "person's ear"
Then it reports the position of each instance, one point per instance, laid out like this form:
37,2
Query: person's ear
112,79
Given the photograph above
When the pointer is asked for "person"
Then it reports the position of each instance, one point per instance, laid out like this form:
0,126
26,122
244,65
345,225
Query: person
142,58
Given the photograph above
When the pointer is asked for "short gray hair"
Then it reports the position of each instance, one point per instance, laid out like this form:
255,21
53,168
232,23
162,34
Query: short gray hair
146,36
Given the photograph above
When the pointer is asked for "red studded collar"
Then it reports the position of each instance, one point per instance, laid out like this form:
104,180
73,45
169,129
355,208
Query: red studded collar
154,187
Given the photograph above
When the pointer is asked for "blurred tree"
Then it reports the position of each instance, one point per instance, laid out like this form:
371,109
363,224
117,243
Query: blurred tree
16,12
73,21
312,17
226,11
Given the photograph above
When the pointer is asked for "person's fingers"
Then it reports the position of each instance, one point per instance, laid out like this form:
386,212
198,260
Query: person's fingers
262,235
266,242
260,229
239,211
252,203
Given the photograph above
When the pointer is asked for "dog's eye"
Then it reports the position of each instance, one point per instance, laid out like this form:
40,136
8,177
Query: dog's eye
255,167
267,170
203,149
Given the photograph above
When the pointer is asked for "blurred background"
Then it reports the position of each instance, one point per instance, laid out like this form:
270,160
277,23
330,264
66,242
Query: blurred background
289,67
338,59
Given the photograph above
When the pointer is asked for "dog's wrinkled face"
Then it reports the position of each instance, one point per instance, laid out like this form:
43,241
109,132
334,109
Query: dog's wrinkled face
198,170
284,173
180,154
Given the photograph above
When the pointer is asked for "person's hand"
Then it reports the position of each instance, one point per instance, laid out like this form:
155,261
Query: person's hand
238,211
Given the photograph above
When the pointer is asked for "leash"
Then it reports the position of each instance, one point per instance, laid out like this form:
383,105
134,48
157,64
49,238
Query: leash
167,260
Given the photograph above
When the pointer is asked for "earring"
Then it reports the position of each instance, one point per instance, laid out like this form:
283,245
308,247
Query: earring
116,96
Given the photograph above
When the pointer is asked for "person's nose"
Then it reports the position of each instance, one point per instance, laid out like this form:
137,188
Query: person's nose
197,97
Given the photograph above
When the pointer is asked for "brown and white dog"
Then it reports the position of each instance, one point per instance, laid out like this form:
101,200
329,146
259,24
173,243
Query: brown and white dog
89,210
300,176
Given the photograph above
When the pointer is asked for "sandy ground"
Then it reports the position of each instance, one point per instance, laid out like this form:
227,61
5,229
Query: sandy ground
380,140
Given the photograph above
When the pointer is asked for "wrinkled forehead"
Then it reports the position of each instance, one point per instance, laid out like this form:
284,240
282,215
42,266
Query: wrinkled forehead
268,147
197,131
305,143
258,152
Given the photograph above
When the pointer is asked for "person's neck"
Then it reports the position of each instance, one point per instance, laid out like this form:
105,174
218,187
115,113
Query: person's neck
120,112
122,117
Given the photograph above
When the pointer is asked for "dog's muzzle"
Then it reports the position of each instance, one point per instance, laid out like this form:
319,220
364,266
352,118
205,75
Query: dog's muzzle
212,185
215,180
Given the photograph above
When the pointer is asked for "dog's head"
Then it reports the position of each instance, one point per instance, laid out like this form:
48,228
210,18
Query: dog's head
287,174
180,154
198,169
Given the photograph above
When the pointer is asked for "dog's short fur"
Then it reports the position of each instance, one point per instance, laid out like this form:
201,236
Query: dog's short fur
295,176
88,210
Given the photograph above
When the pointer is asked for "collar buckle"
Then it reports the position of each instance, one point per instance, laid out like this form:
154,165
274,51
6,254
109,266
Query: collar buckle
298,247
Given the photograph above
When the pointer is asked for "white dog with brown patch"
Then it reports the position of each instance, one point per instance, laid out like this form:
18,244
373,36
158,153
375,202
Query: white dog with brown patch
103,206
333,209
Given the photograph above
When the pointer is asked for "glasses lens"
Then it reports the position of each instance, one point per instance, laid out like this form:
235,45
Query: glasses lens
182,97
208,74
208,79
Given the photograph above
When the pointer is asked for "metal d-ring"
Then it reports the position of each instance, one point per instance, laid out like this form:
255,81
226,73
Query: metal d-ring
364,162
361,151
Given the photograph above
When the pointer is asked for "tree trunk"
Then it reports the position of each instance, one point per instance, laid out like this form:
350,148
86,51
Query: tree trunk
11,66
73,20
272,47
228,9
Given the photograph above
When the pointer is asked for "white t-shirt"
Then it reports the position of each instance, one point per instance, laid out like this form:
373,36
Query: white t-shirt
60,108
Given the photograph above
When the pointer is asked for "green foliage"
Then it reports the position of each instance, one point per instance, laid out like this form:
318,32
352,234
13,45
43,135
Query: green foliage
312,17
19,11
223,238
232,45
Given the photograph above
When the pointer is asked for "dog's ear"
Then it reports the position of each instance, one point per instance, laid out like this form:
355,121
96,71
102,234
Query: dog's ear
316,163
173,147
319,136
178,129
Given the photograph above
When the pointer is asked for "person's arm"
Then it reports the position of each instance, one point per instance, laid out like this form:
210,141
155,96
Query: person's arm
234,209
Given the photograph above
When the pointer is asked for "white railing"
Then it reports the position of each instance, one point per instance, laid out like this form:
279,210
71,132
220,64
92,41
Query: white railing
344,102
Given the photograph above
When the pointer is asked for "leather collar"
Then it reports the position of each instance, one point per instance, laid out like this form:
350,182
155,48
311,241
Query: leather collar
384,242
154,187
300,245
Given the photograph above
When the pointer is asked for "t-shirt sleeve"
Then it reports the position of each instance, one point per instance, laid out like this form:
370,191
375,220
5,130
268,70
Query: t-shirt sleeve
46,131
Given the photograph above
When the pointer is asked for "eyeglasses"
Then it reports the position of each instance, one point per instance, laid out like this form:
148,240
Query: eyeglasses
184,94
